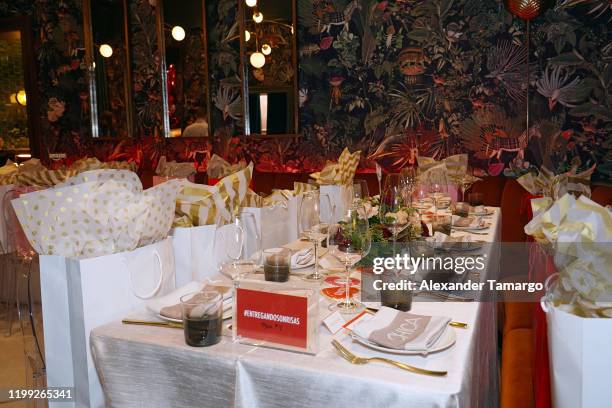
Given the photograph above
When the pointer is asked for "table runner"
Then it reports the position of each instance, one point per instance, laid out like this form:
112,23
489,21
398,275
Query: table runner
153,367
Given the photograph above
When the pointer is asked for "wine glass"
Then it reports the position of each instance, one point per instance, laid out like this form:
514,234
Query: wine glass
465,182
315,215
438,189
237,246
227,247
349,240
360,190
392,208
251,243
409,181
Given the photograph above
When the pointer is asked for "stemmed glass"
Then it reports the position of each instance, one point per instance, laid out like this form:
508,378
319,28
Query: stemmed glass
237,246
465,182
409,181
349,240
360,190
438,189
315,215
393,204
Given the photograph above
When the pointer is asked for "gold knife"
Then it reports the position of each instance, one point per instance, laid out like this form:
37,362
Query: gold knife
173,325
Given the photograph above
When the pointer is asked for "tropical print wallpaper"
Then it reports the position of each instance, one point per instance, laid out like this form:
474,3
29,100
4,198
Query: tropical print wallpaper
394,79
397,79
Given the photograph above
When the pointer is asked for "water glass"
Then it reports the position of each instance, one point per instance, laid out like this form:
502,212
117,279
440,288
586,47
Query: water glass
277,263
202,317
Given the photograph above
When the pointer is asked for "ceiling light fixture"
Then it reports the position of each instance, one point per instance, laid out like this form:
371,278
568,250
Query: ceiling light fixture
178,33
257,59
106,50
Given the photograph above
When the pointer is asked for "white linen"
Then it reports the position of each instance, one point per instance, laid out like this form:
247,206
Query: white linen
153,367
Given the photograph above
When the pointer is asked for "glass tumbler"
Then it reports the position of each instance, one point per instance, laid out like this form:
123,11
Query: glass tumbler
202,317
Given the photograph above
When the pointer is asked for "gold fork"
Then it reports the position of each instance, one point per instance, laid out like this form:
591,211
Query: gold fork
353,359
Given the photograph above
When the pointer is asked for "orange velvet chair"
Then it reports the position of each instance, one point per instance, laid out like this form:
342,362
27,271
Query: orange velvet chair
514,212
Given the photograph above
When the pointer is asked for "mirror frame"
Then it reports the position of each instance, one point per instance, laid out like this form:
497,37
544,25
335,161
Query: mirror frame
89,58
161,37
244,69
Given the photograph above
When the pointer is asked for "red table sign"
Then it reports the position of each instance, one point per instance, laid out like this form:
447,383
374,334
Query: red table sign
272,317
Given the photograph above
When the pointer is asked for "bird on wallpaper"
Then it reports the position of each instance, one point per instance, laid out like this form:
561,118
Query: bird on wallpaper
506,63
228,101
559,88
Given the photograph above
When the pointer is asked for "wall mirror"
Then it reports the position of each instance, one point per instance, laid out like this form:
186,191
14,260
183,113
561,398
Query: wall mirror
269,61
19,108
108,60
185,54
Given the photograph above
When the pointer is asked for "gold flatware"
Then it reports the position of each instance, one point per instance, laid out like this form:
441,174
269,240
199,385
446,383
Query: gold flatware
173,325
353,359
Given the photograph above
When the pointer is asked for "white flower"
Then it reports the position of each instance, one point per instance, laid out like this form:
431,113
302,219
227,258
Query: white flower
368,211
402,217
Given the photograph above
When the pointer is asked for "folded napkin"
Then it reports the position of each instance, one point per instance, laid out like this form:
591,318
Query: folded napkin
393,329
479,209
174,169
170,305
96,213
341,172
440,238
198,204
467,222
302,258
217,167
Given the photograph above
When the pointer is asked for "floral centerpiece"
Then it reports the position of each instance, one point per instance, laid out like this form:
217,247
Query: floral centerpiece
380,233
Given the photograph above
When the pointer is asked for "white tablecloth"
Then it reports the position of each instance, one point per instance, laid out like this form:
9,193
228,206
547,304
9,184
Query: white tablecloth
142,366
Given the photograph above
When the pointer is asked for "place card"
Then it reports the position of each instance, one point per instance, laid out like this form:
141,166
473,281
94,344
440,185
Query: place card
276,315
334,322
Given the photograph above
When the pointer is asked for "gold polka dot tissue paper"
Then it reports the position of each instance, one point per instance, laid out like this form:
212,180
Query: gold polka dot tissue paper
97,213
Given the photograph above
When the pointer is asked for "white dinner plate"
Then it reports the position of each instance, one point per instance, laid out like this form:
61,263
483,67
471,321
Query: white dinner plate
480,228
446,340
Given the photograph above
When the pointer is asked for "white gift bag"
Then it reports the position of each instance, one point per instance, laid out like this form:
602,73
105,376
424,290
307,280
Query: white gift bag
193,253
80,294
340,197
580,357
293,212
272,223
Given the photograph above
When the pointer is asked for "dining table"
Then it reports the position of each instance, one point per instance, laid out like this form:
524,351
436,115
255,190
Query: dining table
148,366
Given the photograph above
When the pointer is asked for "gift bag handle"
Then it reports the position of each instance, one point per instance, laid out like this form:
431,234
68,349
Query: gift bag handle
159,284
546,300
